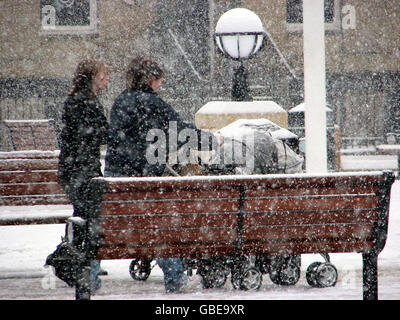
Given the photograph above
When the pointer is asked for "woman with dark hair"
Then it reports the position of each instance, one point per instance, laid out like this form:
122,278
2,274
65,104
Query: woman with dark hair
84,128
135,112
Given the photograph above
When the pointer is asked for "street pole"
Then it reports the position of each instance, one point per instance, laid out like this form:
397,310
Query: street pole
314,85
240,86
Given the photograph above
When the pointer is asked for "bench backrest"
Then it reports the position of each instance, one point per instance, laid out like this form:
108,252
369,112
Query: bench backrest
30,178
225,215
31,134
335,213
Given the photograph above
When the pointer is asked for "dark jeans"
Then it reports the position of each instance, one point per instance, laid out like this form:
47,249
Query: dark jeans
174,276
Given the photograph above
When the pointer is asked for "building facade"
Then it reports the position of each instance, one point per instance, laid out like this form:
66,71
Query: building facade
41,42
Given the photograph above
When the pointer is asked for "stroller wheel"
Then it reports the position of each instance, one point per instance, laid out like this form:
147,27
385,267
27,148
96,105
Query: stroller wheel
250,279
213,276
219,276
321,275
286,273
140,269
311,274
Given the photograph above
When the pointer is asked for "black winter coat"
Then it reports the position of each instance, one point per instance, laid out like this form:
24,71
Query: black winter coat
84,128
132,115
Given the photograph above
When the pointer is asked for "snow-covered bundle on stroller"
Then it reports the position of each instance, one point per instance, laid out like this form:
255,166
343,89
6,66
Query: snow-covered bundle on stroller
254,146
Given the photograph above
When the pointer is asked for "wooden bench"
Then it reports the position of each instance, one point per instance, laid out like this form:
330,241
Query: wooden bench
31,134
211,216
29,178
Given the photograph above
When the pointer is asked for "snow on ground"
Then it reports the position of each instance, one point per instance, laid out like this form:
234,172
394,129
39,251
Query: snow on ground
23,250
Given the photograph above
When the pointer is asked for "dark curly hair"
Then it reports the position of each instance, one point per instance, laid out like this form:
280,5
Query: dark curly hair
84,75
140,71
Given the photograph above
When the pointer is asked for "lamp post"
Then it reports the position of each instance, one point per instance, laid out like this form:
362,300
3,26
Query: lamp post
239,34
314,85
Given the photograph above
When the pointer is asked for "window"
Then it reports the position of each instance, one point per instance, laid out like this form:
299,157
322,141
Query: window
70,17
294,15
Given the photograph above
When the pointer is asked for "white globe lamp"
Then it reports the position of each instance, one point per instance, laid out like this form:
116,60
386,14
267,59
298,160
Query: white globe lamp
239,35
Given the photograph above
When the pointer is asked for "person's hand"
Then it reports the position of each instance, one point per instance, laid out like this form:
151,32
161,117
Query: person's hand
219,137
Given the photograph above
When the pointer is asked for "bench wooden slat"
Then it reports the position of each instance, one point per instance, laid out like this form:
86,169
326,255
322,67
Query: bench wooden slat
297,247
26,177
196,184
27,143
24,124
322,202
33,220
42,188
166,221
171,236
28,164
188,206
304,232
29,154
170,195
30,200
271,218
261,193
198,251
41,131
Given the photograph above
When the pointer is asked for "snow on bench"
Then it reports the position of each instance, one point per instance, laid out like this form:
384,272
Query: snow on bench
40,214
